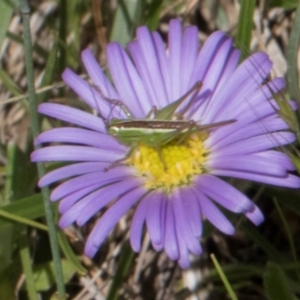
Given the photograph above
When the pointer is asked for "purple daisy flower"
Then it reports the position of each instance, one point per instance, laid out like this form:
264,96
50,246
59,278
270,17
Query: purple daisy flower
176,185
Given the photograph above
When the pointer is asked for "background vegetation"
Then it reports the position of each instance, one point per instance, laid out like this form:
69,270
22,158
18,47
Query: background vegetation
259,263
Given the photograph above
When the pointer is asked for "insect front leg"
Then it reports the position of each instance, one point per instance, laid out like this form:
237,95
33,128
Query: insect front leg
152,111
119,162
115,103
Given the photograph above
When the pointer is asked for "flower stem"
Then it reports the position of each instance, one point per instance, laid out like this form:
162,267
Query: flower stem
41,169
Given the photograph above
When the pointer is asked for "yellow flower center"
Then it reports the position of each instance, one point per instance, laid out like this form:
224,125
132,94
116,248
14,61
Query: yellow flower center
171,165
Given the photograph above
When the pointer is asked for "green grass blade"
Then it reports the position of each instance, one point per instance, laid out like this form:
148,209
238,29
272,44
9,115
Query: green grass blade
15,218
69,254
245,25
27,208
122,270
223,277
9,83
289,235
152,18
26,266
49,72
292,58
41,169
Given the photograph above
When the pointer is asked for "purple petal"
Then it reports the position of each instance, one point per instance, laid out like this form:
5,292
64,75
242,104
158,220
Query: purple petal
175,42
290,181
164,64
190,49
207,54
79,136
243,82
224,193
137,224
76,153
72,115
277,157
255,216
171,243
70,171
262,112
86,92
88,206
183,259
101,198
213,214
110,219
83,181
67,202
97,75
261,95
223,138
229,67
214,73
155,217
246,163
121,70
152,68
259,143
192,211
182,224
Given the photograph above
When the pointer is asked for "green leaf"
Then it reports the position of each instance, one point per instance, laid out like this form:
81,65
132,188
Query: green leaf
287,4
6,248
125,21
275,283
21,173
7,285
44,274
31,207
6,10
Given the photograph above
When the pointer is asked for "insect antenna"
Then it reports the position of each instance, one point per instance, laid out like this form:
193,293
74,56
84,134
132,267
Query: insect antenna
95,89
195,90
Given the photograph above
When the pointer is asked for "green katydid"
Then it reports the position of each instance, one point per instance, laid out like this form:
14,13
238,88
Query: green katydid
165,126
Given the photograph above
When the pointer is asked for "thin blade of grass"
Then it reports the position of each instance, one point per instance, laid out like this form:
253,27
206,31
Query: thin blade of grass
245,25
223,277
41,169
292,59
289,235
122,270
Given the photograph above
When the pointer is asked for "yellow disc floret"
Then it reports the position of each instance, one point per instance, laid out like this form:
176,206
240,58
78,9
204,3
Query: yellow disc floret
170,165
